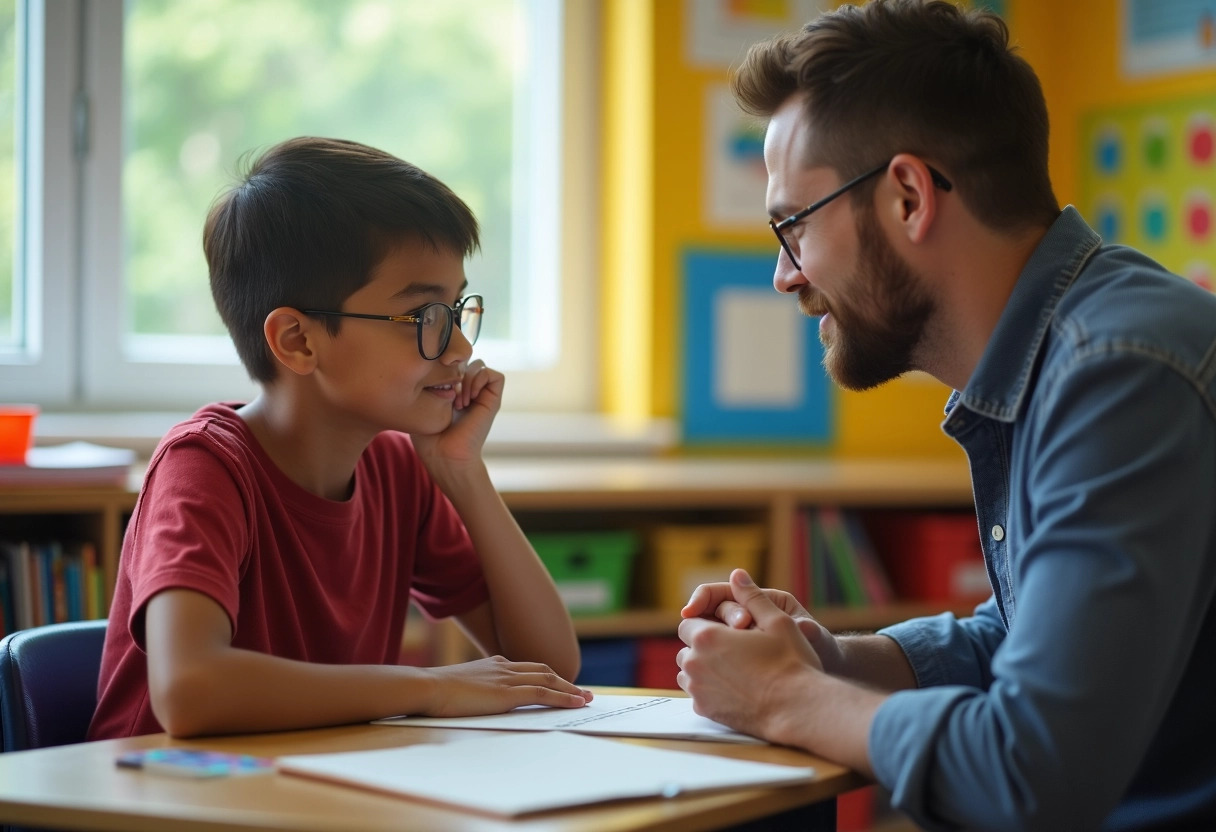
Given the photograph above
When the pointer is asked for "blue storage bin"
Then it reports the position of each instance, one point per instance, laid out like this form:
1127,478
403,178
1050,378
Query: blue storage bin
609,661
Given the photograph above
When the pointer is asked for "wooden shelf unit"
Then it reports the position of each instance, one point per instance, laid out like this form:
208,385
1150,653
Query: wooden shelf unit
597,493
95,514
603,493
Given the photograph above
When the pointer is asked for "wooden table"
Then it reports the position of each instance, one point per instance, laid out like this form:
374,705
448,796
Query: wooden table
78,787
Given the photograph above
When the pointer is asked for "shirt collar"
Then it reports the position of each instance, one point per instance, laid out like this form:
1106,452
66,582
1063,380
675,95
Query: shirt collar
1000,381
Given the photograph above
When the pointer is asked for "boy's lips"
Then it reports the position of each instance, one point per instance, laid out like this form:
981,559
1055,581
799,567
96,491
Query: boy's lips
450,385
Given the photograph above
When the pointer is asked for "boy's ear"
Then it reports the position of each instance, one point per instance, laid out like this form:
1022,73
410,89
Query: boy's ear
290,335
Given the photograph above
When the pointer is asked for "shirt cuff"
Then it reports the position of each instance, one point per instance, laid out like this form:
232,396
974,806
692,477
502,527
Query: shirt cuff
923,641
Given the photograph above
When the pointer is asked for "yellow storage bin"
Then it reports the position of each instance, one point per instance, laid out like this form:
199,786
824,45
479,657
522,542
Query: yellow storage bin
685,556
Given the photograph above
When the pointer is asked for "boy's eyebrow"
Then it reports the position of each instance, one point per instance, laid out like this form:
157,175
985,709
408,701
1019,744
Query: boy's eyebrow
415,289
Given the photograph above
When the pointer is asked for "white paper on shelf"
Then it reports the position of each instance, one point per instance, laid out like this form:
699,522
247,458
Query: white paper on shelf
74,463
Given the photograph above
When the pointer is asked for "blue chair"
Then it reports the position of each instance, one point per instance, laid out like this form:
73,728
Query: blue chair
48,684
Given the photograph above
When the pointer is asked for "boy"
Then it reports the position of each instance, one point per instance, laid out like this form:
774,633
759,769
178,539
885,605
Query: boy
267,569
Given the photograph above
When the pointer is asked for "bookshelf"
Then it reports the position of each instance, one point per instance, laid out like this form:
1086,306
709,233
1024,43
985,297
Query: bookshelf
96,515
604,493
644,493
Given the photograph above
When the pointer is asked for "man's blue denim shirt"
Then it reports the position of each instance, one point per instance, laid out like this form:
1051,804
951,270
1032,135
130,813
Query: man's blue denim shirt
1082,695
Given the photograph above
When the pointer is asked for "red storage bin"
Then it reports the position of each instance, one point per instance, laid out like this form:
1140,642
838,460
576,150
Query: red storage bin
657,662
931,557
855,810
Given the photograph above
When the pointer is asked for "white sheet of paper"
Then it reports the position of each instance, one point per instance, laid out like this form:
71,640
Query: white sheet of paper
611,714
516,773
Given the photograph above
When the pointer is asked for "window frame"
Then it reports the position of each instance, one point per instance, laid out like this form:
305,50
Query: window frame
42,371
74,240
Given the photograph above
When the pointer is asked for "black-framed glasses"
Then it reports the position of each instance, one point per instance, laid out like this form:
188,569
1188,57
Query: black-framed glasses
780,227
434,322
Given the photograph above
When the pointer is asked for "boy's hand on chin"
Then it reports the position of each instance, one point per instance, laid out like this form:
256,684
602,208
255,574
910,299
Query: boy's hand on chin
460,444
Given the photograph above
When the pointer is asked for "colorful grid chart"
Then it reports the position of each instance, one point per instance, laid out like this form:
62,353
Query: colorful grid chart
1148,180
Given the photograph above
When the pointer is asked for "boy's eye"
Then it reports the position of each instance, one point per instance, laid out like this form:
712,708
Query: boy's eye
429,315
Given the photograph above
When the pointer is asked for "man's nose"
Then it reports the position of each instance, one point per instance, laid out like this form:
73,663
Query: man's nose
786,278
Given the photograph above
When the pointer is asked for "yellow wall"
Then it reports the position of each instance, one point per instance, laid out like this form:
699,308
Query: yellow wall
653,133
1074,46
653,121
627,183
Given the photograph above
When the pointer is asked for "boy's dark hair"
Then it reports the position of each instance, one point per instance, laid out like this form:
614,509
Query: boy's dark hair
922,77
307,225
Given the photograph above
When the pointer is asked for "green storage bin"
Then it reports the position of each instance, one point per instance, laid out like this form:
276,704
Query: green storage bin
592,570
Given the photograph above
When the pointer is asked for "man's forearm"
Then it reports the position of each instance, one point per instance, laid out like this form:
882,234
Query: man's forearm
875,661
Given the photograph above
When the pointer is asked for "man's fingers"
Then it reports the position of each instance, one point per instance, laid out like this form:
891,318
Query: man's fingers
689,628
734,614
705,599
763,611
808,627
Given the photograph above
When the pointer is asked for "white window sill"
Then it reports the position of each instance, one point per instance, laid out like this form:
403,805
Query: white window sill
513,434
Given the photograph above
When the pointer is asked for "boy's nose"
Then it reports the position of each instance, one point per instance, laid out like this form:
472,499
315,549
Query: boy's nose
459,349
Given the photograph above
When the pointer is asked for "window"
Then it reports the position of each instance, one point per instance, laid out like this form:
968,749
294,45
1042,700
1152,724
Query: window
13,336
137,113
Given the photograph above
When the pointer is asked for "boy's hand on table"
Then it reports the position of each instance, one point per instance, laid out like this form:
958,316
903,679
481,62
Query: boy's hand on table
495,685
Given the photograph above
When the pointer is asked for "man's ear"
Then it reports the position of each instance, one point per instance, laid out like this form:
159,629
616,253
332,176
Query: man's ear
291,336
915,201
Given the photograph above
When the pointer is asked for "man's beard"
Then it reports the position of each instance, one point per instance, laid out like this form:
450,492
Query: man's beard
880,318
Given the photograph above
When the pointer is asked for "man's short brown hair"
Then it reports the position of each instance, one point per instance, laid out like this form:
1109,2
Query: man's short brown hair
922,77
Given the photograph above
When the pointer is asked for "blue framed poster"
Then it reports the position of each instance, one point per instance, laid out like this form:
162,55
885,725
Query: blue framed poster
753,364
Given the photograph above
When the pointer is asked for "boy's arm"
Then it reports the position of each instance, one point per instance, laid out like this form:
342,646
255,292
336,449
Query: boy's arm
525,618
200,684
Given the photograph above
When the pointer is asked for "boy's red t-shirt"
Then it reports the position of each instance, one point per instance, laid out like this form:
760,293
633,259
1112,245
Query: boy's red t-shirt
300,576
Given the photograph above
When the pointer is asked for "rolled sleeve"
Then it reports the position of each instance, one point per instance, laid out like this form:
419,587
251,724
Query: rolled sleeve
946,651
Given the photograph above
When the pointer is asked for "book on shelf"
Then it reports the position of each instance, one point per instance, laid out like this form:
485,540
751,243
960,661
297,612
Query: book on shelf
48,583
843,557
800,582
71,464
8,621
873,573
836,557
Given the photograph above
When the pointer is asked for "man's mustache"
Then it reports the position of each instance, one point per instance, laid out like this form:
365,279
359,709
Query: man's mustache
812,303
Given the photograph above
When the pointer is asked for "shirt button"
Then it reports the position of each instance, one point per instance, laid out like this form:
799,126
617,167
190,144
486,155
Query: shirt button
998,534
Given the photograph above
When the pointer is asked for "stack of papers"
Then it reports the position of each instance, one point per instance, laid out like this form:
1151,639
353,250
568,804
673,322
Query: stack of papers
520,773
73,464
613,715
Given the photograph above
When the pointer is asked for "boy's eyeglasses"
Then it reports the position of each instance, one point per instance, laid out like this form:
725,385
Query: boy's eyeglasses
434,322
779,228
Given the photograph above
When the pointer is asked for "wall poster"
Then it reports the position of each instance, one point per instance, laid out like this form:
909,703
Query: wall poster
1148,179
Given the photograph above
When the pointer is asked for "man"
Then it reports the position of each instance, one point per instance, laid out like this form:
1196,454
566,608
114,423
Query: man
907,158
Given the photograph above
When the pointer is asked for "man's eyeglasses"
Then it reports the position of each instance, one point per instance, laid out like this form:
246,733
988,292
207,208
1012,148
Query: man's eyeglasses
434,322
779,228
